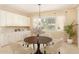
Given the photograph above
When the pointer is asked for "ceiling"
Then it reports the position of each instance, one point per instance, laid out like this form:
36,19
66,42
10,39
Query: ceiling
32,8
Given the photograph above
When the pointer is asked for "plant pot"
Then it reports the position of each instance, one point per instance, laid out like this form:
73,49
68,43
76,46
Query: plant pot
69,41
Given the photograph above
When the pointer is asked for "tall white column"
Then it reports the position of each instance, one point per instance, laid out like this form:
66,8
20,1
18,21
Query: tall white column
78,26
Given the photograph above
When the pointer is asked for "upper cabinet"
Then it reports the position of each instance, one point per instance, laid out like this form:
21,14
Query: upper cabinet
23,21
3,18
11,19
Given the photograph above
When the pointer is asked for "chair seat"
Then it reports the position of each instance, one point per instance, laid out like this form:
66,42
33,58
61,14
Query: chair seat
54,49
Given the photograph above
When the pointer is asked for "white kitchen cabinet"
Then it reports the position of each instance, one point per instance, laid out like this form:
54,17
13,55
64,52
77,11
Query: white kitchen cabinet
23,21
12,37
20,21
3,18
15,20
12,19
27,21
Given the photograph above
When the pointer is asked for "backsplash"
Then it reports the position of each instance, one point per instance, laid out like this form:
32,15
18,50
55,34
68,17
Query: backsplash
12,29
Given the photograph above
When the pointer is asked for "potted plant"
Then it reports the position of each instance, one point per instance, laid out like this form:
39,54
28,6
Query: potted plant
69,30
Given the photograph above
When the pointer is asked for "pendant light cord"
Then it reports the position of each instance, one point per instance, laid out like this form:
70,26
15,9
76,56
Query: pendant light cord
39,9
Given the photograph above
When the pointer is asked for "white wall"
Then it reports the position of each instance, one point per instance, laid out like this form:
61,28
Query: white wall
60,22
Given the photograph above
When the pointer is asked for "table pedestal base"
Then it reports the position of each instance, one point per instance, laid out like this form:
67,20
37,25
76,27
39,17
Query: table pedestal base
38,49
38,52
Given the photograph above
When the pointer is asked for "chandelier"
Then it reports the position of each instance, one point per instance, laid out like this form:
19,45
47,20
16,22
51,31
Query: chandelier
38,28
39,9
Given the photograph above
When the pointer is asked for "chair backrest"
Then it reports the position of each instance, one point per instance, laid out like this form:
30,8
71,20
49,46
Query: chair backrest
54,48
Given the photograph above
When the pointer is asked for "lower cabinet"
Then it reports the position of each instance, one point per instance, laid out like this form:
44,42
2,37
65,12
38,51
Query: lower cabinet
7,38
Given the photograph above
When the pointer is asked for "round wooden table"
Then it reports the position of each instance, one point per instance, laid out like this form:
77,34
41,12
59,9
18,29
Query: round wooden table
38,40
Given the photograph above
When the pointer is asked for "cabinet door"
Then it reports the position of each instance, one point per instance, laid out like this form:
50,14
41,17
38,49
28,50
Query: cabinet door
23,21
3,18
20,20
26,21
10,19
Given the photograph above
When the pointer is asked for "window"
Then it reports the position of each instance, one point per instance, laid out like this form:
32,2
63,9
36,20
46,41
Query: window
46,23
50,23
